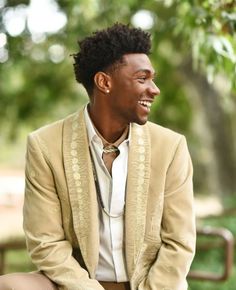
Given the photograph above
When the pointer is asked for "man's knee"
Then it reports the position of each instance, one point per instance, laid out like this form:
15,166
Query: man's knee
5,283
26,281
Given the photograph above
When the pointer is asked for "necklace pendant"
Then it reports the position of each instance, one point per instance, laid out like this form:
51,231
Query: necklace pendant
110,149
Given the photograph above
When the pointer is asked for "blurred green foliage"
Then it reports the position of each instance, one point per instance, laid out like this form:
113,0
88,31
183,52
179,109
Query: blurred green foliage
193,53
32,85
210,28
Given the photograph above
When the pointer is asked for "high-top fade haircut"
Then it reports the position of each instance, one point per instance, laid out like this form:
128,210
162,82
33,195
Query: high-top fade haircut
104,49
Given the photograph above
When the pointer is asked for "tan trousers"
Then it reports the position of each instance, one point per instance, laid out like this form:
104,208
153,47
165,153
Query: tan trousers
26,281
115,286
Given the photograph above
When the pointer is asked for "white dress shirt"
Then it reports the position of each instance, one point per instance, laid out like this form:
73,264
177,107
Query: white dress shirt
111,263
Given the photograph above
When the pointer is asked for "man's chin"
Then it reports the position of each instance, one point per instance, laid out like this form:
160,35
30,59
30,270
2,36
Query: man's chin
141,121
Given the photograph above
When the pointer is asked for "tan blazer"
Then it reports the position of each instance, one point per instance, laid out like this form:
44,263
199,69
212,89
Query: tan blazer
61,210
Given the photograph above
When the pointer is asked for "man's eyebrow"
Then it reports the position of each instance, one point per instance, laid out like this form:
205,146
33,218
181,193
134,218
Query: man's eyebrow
147,71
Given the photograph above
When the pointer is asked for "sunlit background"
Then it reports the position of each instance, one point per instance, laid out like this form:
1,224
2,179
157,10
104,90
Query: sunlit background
194,54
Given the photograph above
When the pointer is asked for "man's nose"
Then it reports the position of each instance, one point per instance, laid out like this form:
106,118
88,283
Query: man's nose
154,90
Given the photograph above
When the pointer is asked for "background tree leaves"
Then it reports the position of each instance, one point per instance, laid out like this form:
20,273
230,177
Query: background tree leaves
193,52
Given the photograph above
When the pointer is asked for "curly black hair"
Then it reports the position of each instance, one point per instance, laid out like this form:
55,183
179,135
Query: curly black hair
105,48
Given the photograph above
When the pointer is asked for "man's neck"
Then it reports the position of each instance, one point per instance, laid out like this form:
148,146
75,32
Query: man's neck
110,129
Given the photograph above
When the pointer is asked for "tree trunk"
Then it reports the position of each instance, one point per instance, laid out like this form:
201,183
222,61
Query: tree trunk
222,135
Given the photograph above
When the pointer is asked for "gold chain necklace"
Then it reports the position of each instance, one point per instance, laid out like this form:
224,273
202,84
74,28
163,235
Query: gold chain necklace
98,191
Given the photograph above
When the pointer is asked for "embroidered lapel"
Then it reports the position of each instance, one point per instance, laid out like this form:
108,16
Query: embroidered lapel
81,189
136,195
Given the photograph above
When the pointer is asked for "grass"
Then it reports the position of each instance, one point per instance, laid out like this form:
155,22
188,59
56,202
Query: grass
18,261
211,265
212,258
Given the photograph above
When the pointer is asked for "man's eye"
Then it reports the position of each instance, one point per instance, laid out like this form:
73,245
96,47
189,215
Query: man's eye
142,79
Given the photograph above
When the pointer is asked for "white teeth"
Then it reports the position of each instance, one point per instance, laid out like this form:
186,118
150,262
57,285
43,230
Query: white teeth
145,103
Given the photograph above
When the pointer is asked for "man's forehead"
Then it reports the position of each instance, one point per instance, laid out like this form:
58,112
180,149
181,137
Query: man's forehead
138,62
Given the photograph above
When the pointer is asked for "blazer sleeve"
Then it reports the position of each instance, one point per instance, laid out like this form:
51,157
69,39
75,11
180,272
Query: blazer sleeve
45,237
178,232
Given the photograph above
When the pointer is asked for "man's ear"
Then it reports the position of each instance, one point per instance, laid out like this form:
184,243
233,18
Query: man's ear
103,82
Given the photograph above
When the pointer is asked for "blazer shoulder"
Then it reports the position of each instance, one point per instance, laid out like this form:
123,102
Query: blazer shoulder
166,143
162,133
52,130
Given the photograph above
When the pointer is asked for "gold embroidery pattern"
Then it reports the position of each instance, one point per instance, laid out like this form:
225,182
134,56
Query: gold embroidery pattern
81,188
138,183
79,171
76,165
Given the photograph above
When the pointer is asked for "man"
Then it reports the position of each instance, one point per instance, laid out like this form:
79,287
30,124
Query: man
108,199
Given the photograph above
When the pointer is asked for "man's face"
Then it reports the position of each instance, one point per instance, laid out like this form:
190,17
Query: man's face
132,89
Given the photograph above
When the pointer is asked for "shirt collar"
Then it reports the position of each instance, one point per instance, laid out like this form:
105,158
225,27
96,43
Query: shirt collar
92,135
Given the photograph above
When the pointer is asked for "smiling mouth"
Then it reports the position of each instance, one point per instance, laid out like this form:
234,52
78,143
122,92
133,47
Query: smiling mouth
145,104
